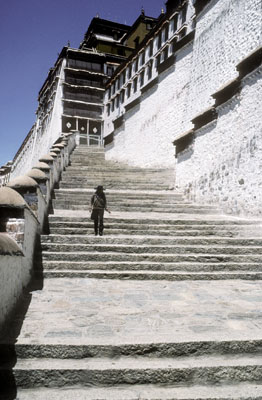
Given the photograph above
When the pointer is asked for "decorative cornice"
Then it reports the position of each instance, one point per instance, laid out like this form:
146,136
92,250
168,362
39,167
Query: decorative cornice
166,64
132,104
183,141
118,122
204,118
149,85
109,139
250,63
227,91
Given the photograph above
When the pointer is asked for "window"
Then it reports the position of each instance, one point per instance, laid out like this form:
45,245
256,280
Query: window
113,89
165,33
148,27
136,65
128,90
174,44
184,12
113,105
142,78
143,58
159,41
117,84
108,109
183,33
158,60
149,70
124,77
165,56
117,101
135,85
110,71
151,47
122,96
129,71
175,19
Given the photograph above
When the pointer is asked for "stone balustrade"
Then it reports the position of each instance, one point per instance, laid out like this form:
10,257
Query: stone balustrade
24,204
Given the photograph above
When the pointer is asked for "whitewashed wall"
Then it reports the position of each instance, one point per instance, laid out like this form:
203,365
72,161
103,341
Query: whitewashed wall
226,32
224,164
146,138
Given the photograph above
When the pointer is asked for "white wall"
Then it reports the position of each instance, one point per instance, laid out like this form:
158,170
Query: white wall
223,164
146,138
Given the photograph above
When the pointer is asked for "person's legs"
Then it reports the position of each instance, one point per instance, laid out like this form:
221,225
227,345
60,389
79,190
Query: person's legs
96,215
101,222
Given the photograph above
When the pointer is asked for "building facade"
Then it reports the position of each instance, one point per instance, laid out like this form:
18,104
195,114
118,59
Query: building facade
181,91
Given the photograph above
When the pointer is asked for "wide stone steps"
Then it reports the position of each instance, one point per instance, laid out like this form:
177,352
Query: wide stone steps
104,256
151,266
145,240
124,185
152,249
110,230
152,275
205,370
148,392
141,219
140,313
130,207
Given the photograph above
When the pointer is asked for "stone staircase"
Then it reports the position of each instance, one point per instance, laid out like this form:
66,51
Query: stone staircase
166,305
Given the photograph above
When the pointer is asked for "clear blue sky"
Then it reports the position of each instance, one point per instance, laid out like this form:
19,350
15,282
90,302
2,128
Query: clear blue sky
32,33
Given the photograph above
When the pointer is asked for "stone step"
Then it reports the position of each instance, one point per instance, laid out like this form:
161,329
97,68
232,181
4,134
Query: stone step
151,266
123,198
148,349
129,207
175,249
130,202
138,220
200,370
149,257
135,186
144,240
151,275
62,222
153,231
246,391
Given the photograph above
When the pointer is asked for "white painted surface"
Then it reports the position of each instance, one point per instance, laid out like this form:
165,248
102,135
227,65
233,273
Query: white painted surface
146,139
225,166
222,166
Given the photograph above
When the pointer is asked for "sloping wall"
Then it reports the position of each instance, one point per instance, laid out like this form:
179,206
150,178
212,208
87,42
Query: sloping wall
221,164
146,137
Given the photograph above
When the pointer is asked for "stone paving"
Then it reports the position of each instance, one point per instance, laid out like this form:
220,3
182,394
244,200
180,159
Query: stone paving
85,311
129,339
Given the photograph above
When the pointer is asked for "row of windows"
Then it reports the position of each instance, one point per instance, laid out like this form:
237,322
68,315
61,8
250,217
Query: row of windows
177,21
147,72
126,93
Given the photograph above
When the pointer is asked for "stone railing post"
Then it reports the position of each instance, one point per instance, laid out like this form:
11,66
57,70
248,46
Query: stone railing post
20,232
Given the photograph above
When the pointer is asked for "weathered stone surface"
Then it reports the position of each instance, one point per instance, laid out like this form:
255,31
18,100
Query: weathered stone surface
42,166
8,246
10,198
166,305
23,182
37,175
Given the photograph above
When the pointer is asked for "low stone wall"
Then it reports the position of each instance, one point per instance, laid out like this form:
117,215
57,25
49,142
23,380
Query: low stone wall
24,204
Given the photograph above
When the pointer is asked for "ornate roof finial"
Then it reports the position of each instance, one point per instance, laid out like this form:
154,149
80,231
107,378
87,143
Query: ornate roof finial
162,10
97,15
142,10
68,43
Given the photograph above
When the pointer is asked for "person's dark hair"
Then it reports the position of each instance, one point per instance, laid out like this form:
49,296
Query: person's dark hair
99,189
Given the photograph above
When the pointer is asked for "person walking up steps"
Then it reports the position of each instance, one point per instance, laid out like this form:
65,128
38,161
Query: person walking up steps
98,206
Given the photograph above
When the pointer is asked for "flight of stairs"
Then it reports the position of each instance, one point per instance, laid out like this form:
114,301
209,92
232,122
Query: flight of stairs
166,305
